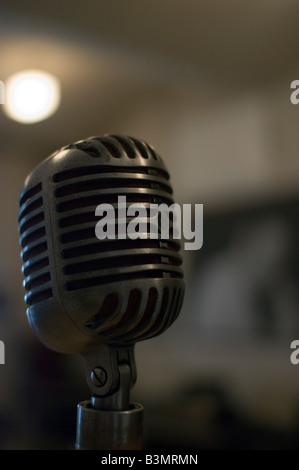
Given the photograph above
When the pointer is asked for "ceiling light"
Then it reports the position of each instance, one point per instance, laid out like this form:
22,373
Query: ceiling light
31,96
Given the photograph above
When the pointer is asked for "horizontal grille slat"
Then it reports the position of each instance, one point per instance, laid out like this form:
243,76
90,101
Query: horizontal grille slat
33,235
83,249
30,207
84,217
34,250
31,221
110,196
142,272
112,181
81,171
36,280
86,231
38,295
30,193
32,266
122,259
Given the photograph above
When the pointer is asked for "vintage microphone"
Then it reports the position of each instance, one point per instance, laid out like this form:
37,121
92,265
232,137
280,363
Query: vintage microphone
99,297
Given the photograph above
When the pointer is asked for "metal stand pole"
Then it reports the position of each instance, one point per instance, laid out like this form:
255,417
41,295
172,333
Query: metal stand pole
109,430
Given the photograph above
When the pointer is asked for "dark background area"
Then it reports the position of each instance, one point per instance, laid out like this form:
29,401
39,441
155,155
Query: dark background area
208,85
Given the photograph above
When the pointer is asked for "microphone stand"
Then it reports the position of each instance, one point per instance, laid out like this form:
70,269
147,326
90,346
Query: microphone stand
108,421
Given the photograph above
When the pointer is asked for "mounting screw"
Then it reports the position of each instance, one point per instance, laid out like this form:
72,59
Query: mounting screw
98,376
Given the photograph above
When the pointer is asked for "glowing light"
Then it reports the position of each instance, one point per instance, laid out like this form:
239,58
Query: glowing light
31,96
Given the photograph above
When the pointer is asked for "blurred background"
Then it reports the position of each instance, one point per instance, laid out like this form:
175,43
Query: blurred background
207,84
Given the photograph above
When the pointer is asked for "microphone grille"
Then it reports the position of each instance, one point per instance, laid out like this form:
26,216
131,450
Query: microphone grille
79,190
116,289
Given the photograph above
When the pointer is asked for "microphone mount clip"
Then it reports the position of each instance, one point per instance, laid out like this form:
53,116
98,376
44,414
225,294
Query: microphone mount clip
110,373
109,421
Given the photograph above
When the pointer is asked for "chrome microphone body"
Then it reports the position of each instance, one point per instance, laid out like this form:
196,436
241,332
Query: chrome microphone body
98,297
